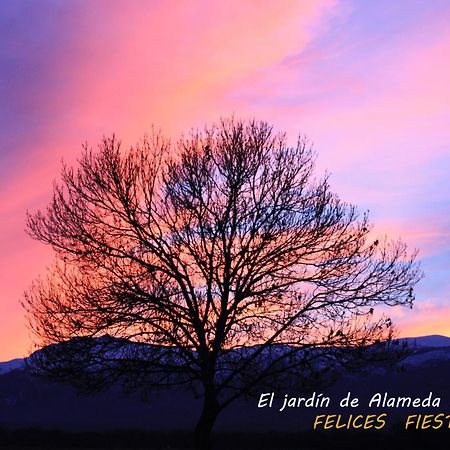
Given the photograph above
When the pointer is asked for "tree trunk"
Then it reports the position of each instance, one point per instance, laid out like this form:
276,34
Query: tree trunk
202,433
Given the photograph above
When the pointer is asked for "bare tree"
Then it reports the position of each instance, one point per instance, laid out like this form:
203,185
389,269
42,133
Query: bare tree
219,263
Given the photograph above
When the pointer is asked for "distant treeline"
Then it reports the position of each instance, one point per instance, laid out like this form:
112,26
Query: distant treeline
396,439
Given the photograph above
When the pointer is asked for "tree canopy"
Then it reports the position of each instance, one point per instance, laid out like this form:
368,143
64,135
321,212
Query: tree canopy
220,262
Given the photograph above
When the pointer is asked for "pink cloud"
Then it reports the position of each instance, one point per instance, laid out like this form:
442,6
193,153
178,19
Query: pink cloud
376,123
116,69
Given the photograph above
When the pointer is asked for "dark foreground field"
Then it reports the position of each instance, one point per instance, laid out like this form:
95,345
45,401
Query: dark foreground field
127,440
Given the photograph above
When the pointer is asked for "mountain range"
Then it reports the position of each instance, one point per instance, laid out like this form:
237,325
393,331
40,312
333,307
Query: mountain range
31,401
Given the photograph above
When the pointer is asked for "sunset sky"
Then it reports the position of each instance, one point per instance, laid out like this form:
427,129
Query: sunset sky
367,82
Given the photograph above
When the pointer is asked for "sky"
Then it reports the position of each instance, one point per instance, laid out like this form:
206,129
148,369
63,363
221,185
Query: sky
366,82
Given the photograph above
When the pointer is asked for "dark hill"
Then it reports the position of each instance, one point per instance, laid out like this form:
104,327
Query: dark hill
31,401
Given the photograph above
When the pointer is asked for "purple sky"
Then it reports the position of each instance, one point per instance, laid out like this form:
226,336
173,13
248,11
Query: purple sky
367,82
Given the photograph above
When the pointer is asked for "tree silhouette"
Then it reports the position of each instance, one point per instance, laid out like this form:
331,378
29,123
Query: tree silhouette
219,263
